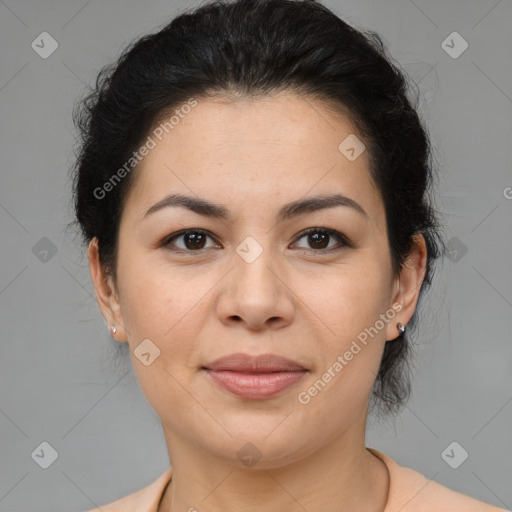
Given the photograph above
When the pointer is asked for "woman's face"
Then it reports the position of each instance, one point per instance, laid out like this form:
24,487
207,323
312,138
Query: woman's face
252,282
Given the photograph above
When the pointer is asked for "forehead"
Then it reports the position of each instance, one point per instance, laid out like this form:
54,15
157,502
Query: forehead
253,151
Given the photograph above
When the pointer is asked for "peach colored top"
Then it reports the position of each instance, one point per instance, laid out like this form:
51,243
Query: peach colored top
409,491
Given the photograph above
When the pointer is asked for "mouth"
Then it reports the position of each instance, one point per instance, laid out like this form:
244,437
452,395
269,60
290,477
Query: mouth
254,377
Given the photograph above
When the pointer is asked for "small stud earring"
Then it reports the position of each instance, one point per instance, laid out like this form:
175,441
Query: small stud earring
113,330
401,327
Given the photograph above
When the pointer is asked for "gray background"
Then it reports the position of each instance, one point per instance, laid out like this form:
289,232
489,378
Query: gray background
59,379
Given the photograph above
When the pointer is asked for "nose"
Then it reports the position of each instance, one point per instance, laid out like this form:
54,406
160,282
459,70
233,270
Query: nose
256,294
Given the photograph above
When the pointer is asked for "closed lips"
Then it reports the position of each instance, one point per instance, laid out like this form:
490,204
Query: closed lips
255,377
245,363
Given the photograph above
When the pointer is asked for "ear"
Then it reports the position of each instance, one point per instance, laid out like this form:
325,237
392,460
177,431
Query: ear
106,293
408,284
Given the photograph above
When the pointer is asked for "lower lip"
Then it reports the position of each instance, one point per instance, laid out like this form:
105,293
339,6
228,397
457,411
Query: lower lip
255,386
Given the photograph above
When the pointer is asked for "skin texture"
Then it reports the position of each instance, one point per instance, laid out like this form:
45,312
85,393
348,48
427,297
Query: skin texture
253,157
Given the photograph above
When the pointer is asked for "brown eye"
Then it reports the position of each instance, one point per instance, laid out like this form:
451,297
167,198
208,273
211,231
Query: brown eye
193,240
319,239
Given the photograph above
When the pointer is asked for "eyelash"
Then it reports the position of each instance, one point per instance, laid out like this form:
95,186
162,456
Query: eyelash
342,239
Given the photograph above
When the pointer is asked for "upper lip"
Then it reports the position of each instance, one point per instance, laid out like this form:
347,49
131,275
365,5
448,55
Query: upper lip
264,363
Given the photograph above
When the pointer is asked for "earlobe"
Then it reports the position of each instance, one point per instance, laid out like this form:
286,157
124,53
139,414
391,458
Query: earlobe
409,283
106,293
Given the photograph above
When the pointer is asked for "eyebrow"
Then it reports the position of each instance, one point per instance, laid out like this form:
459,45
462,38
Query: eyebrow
294,209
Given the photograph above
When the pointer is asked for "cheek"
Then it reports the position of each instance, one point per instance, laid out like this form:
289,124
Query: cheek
164,311
351,296
352,331
169,308
156,300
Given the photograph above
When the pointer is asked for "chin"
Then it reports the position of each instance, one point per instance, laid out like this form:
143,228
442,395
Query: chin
251,453
261,442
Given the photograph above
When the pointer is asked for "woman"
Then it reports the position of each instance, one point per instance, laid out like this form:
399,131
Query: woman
253,186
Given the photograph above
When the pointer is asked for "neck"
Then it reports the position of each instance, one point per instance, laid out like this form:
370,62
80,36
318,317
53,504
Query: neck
340,477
